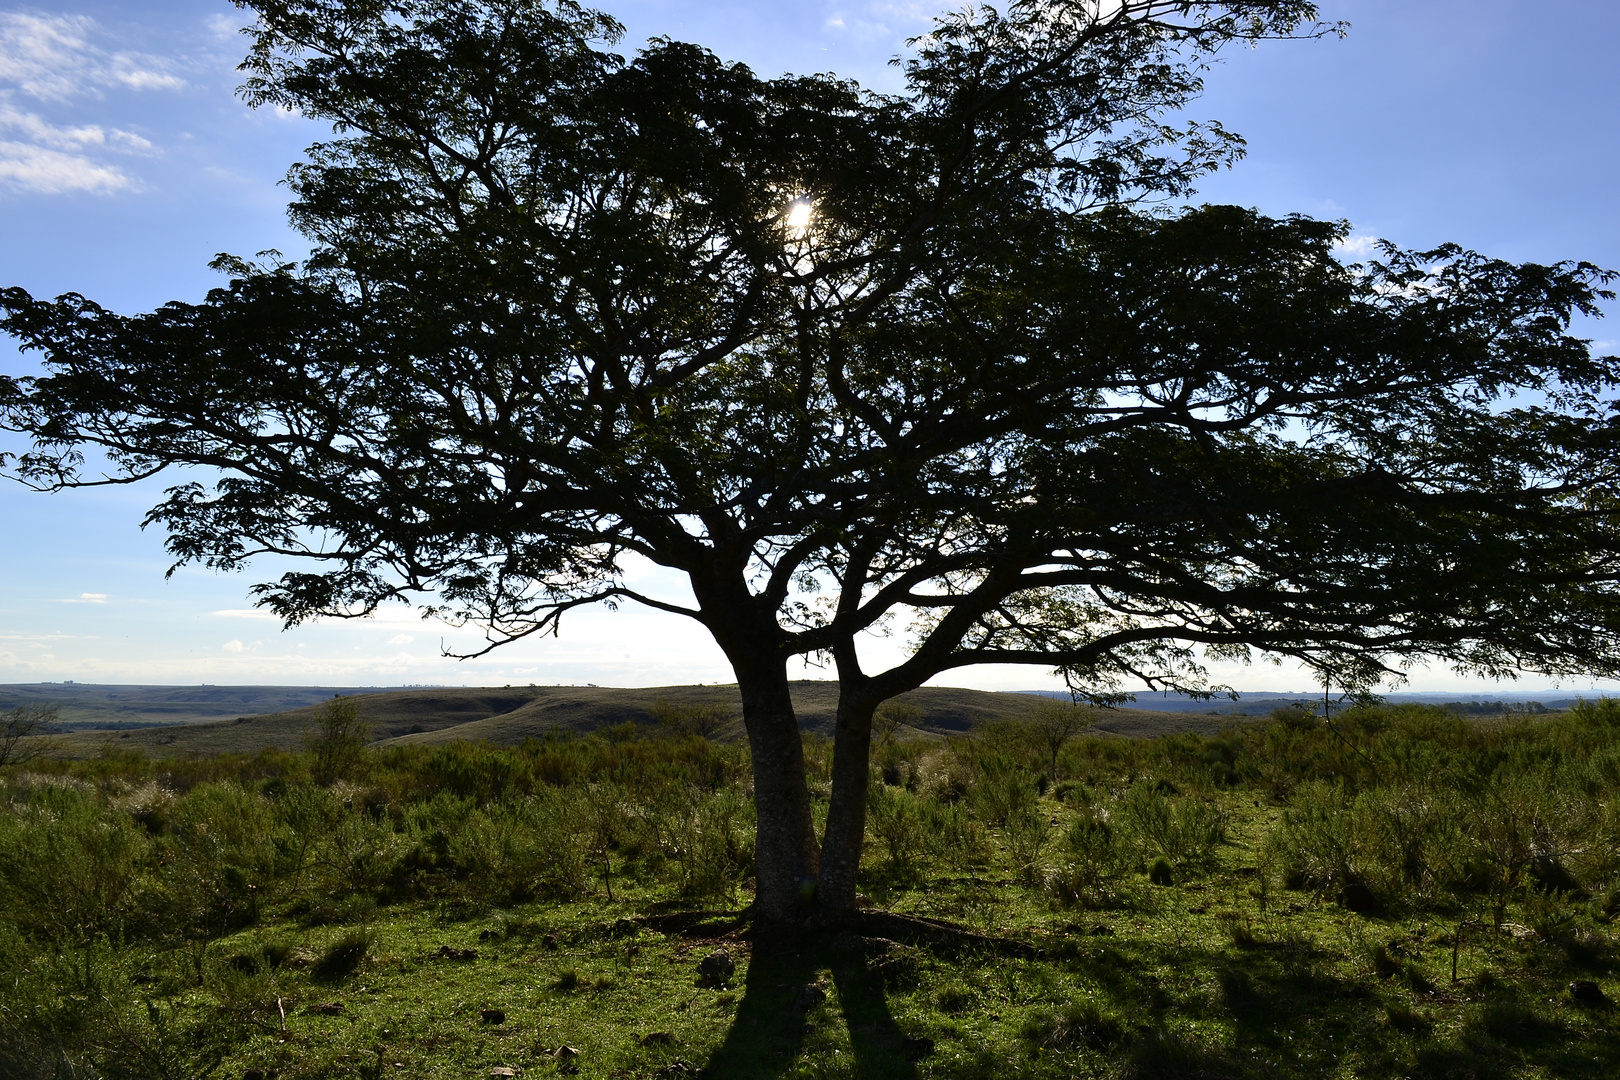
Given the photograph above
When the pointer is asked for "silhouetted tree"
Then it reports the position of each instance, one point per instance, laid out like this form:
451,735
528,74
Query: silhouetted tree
844,360
23,732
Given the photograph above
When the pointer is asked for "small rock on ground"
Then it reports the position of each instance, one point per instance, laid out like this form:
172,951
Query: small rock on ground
717,967
1587,992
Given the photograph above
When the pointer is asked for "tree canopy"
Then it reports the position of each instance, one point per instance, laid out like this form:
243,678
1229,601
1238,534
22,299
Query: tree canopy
960,359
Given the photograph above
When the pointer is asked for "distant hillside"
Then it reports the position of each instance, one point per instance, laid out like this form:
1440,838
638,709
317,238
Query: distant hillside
1255,703
508,715
113,708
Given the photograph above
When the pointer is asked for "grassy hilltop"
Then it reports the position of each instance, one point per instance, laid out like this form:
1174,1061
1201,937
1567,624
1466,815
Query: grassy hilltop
1402,893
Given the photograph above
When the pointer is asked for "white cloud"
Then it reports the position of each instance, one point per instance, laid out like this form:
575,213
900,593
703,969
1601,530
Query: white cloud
401,639
53,172
1357,247
43,133
233,646
137,79
635,567
86,598
55,57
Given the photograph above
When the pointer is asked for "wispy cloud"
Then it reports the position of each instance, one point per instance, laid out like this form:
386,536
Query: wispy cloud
86,598
55,60
43,133
225,28
57,57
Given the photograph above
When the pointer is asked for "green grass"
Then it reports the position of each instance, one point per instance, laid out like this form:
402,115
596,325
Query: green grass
1157,985
422,919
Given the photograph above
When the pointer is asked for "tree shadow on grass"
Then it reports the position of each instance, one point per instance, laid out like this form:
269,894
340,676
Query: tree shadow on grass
782,991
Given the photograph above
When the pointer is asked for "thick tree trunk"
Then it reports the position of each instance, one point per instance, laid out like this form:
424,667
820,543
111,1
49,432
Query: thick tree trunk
846,811
786,857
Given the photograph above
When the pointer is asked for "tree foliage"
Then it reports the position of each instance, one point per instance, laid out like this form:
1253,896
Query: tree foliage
957,359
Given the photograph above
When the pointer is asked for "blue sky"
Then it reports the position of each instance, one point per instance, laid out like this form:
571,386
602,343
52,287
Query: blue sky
126,163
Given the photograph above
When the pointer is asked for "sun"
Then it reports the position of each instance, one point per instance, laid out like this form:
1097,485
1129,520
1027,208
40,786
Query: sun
798,216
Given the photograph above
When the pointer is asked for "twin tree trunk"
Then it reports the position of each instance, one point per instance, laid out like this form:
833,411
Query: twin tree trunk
797,880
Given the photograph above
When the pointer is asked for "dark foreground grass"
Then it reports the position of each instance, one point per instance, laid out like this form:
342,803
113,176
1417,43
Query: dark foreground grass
405,931
1189,981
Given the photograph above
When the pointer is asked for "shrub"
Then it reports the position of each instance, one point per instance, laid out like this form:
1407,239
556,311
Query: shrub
956,834
359,854
1185,831
703,719
338,740
709,839
1002,788
302,816
1092,858
1510,821
500,853
217,858
343,956
1313,844
896,818
69,869
728,842
1026,834
24,733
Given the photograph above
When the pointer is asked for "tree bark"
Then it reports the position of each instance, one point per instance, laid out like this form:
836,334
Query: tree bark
786,857
846,810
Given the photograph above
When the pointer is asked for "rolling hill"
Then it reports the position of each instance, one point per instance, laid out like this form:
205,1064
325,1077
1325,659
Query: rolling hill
508,715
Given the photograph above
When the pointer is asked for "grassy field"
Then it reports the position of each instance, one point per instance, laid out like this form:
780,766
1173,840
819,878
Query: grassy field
1401,893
